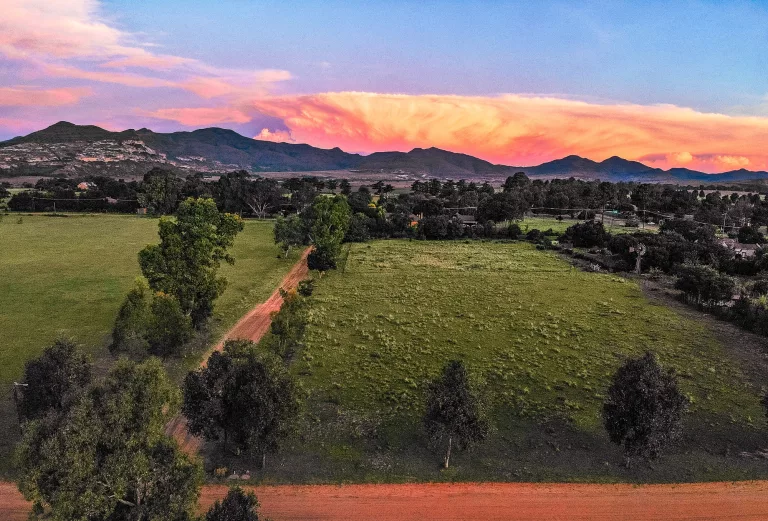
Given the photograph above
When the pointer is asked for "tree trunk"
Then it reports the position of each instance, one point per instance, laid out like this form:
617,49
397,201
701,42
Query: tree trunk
263,461
448,454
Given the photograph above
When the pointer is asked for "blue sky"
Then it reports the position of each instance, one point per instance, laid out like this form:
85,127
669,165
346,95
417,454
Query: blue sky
668,83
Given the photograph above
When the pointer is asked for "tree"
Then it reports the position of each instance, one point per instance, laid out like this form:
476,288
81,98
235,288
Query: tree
328,224
289,232
160,191
644,408
704,284
168,328
53,380
129,334
238,505
288,324
586,235
243,395
191,249
750,235
264,197
453,411
107,456
345,186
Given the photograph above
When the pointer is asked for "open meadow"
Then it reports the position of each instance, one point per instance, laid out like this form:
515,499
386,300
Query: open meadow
541,339
68,276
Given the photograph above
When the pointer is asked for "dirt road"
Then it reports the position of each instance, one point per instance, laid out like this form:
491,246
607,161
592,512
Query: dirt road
252,326
746,501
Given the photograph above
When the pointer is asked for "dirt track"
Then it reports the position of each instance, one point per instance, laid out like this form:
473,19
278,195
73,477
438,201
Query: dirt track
252,326
746,501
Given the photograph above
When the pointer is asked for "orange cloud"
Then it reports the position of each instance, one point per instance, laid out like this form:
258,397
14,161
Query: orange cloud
523,130
278,136
201,116
32,97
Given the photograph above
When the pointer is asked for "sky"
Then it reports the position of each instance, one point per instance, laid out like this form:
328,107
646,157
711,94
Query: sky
671,84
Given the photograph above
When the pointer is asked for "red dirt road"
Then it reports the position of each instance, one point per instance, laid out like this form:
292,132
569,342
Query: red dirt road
744,501
251,326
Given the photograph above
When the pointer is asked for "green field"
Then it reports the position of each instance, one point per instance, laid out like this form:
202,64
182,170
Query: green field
542,340
69,275
559,227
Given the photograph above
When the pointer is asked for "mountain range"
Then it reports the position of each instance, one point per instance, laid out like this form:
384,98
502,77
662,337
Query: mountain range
68,149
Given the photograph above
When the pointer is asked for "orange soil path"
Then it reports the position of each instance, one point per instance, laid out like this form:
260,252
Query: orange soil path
744,501
252,326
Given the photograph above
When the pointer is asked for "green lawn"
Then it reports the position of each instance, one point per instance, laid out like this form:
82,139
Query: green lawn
542,340
69,275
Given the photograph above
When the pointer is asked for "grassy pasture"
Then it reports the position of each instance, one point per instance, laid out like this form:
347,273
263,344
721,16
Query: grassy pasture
69,275
545,223
542,340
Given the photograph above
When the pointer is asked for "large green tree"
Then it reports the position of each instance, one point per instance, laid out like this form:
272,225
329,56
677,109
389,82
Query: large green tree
644,407
106,457
328,223
52,380
160,191
242,395
289,232
453,413
186,262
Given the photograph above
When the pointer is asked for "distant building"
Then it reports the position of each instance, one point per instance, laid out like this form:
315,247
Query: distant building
745,251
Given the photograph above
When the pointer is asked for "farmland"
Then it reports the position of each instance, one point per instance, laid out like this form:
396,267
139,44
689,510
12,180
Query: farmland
69,275
541,339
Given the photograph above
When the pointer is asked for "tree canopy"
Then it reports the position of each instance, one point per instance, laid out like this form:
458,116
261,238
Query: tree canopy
186,262
107,457
644,407
53,379
453,411
242,395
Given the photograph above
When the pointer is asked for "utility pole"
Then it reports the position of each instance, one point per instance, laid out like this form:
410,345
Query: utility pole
16,386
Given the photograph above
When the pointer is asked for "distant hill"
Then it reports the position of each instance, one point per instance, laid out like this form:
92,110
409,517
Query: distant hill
68,149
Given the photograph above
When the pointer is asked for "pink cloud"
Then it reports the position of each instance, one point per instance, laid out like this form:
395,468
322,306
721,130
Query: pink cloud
149,61
32,97
522,130
201,116
277,136
70,39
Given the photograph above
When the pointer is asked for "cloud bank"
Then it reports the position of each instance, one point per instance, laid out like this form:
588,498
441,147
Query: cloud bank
524,130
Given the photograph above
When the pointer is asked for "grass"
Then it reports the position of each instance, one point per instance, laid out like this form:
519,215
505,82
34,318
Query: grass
545,223
541,339
68,276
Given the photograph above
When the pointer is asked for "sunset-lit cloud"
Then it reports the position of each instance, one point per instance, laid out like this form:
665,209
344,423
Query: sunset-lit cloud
278,136
523,130
28,96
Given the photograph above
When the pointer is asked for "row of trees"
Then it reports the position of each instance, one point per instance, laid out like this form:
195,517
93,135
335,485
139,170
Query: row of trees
97,449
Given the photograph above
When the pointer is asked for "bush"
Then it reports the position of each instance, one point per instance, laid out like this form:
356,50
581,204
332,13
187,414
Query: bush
514,231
